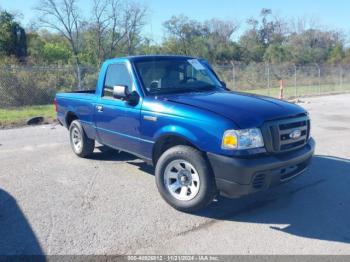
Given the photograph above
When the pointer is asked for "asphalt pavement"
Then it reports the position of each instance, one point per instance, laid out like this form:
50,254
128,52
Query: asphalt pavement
52,202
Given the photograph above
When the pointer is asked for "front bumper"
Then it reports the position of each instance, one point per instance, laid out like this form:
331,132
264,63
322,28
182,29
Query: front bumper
236,177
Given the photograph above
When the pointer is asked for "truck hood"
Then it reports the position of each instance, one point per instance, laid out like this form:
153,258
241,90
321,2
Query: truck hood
245,110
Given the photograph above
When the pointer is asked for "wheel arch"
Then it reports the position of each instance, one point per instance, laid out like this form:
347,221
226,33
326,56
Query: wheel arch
70,117
167,141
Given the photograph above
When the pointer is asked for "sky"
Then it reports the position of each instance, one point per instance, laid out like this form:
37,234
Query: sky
332,14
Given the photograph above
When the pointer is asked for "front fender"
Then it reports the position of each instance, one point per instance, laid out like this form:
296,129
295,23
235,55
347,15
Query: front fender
177,131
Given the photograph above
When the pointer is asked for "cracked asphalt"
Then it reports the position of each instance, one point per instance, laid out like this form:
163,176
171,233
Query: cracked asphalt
52,202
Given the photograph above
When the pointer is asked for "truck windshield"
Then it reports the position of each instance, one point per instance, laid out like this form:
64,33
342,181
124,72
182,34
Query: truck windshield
169,75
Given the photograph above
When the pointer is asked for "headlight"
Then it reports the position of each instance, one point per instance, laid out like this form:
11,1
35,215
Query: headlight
242,139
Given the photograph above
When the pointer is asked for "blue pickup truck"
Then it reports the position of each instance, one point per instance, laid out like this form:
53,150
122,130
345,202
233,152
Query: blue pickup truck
175,113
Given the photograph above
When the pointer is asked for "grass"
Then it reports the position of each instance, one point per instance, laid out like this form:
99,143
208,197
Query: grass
18,116
291,91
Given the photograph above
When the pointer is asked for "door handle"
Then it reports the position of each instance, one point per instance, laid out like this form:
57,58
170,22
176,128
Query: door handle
99,108
150,118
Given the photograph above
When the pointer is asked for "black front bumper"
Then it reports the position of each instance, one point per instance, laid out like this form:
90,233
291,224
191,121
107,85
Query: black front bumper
236,177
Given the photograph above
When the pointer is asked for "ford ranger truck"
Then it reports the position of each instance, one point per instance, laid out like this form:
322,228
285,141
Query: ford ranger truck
175,113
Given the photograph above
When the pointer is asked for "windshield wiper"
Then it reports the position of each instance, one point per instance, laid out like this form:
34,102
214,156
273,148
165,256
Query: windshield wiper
182,90
202,88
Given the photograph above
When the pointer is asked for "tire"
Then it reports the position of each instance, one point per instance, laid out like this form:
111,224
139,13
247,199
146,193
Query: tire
184,179
81,145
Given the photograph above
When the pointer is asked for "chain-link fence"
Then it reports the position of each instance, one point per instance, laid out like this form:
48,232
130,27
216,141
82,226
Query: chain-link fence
37,85
266,79
33,85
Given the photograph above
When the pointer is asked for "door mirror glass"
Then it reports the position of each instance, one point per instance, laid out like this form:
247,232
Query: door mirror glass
120,91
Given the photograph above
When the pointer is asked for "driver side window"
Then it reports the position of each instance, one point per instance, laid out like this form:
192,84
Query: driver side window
117,74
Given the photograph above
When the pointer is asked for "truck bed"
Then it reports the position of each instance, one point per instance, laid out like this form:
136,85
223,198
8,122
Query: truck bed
81,103
90,91
76,95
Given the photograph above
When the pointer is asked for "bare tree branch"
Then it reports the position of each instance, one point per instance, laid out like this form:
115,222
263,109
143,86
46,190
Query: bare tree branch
115,26
63,17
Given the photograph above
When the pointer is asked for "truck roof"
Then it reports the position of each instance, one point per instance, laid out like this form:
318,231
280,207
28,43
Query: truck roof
148,57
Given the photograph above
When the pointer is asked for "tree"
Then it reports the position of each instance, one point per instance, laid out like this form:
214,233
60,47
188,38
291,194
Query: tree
277,54
252,48
337,54
182,34
228,53
35,48
98,27
48,48
312,45
210,39
261,34
13,40
148,47
134,21
54,53
114,28
346,59
64,17
218,40
221,30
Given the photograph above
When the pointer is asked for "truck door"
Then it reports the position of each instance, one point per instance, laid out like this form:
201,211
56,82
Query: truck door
117,122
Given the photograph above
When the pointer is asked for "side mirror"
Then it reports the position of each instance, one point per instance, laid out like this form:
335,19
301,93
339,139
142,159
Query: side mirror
133,98
120,91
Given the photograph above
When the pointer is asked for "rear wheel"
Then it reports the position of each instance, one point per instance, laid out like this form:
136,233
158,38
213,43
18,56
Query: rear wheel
81,145
184,179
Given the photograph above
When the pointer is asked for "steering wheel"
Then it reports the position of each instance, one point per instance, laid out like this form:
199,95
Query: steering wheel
154,85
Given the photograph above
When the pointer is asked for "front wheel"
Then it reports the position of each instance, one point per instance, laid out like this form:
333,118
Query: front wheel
184,179
81,145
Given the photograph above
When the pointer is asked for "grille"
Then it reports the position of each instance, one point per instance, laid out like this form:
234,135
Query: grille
277,134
